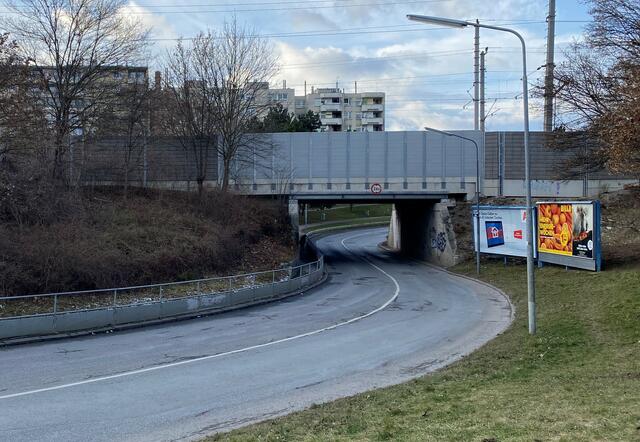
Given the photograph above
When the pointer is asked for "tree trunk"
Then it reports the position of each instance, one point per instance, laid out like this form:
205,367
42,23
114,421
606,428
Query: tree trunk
226,170
126,180
200,181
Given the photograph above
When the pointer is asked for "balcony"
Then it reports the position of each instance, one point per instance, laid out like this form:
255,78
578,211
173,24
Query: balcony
331,121
330,107
366,121
373,107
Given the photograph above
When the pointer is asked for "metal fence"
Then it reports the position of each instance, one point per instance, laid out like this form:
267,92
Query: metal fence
15,307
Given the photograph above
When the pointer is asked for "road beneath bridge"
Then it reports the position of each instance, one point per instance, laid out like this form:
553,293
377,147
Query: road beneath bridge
378,320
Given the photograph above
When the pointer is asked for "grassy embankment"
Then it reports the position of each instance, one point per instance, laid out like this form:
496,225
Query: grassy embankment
577,379
98,239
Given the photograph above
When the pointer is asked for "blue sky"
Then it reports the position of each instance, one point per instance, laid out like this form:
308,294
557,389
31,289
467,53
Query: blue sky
425,71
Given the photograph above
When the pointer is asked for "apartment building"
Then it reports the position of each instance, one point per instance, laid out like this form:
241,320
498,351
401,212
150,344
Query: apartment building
267,97
347,112
339,111
110,94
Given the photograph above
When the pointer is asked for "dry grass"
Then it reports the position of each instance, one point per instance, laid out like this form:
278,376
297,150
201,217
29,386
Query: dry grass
149,237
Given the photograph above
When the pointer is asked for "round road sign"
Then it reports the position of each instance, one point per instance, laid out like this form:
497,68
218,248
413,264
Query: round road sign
376,188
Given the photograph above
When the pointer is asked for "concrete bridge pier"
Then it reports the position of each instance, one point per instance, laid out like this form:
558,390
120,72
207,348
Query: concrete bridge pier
423,229
393,237
294,217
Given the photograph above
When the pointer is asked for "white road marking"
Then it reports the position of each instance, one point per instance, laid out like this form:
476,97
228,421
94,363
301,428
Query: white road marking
227,353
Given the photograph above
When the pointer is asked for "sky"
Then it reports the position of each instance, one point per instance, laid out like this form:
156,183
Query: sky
425,71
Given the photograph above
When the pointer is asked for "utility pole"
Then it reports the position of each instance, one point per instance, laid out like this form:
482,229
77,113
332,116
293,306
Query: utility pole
483,117
548,79
476,79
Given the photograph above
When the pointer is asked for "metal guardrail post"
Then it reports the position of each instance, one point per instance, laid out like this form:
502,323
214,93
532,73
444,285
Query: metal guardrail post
161,294
273,282
55,304
198,288
115,298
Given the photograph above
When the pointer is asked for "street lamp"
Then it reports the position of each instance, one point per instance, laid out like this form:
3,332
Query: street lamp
452,23
450,134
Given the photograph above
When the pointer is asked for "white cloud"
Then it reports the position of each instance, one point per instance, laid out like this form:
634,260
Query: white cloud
424,71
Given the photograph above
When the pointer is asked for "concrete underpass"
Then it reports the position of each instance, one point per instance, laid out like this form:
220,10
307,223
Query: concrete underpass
420,225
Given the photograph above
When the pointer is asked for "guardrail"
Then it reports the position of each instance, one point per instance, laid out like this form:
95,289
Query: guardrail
50,313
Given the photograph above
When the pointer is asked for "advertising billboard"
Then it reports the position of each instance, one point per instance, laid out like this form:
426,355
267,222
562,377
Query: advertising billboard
503,230
569,233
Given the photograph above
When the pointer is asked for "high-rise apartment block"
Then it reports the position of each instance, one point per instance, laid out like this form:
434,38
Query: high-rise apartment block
339,111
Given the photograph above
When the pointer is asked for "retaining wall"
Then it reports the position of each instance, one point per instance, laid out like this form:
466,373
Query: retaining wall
132,314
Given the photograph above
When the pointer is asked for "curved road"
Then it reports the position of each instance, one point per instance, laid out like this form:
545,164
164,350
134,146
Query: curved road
378,320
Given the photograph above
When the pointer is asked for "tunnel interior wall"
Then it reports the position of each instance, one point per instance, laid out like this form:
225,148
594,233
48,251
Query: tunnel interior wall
426,232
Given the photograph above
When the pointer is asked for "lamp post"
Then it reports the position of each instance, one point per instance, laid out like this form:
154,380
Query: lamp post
453,23
451,134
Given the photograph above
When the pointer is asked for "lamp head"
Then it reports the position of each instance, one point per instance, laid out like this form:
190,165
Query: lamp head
438,131
452,23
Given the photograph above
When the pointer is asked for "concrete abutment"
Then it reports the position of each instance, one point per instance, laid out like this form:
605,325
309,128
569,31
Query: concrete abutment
424,230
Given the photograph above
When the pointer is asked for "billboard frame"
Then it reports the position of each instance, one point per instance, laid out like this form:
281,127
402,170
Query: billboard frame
594,263
476,241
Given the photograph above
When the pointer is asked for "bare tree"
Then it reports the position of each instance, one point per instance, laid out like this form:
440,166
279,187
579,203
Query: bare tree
69,44
21,121
241,66
215,90
125,121
597,88
187,103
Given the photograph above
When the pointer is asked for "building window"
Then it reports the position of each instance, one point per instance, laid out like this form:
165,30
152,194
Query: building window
346,101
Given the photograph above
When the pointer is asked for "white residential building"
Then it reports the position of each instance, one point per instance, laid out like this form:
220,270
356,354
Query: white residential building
339,111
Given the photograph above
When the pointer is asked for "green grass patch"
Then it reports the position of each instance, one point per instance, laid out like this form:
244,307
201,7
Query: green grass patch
347,211
337,225
577,379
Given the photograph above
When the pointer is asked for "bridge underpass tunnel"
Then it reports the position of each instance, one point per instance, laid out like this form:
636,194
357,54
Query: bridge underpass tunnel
423,229
418,228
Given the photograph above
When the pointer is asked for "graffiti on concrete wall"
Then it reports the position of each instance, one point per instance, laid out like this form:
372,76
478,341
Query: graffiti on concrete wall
438,240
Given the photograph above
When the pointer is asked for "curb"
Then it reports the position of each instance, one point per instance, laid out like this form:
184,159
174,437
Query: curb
486,284
512,307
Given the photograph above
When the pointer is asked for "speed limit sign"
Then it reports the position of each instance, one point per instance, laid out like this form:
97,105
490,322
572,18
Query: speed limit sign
376,188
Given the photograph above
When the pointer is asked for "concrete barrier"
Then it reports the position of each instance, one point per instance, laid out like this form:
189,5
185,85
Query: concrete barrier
124,316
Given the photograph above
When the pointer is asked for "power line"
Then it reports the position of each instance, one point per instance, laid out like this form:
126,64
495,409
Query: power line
289,8
412,79
270,3
320,33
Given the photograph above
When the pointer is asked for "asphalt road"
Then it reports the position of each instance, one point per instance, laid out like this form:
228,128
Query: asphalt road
378,320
